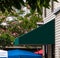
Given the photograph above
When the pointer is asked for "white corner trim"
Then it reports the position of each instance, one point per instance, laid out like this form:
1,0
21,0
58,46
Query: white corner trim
40,23
56,10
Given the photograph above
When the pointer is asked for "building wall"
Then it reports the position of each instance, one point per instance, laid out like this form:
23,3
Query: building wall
56,4
50,16
49,12
57,36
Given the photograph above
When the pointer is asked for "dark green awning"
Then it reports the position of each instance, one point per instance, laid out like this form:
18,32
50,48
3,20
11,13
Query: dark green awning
42,35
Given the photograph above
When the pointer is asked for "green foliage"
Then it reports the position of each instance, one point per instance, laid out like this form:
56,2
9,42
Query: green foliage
5,39
34,4
17,27
7,4
29,23
38,4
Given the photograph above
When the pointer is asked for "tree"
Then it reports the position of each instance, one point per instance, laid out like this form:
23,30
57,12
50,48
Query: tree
34,4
